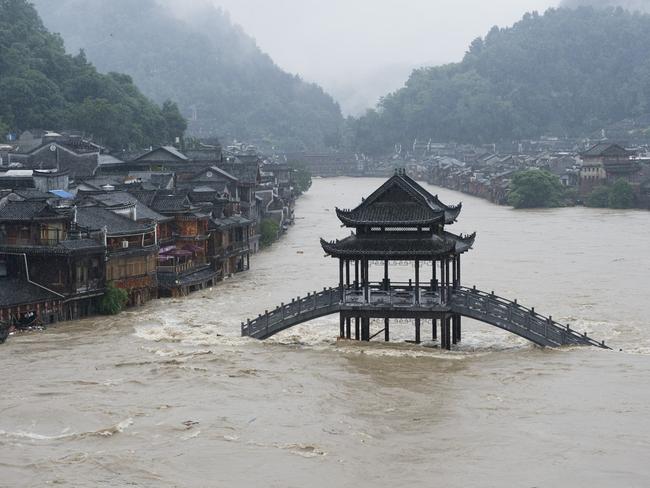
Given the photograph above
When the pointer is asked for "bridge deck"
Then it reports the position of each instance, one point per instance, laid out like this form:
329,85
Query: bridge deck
405,301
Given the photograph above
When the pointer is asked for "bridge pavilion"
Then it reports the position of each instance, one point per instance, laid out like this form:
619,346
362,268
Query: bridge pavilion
399,222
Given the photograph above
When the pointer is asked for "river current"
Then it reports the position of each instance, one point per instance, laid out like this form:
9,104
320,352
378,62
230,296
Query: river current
170,395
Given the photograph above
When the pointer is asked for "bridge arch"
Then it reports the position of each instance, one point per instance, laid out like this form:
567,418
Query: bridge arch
472,303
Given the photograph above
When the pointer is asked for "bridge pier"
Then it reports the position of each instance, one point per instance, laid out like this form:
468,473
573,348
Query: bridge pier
434,329
417,331
356,328
387,329
348,326
365,329
342,327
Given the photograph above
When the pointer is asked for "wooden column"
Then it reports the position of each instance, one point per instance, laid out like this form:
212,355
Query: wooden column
433,275
386,274
448,333
347,273
348,327
454,329
458,272
356,328
417,281
434,329
454,270
387,329
417,331
443,338
442,280
356,274
341,281
366,281
342,327
365,329
448,279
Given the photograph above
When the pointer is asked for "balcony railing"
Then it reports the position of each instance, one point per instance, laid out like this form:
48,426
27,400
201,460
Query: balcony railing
180,268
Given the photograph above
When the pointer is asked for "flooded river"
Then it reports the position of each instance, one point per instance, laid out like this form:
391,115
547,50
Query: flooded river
170,395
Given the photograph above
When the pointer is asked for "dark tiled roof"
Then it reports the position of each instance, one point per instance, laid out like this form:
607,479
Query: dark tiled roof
143,212
170,202
14,292
399,201
398,247
28,210
96,218
606,149
32,194
81,244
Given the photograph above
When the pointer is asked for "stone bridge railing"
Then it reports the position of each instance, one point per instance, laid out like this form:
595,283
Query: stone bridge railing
515,318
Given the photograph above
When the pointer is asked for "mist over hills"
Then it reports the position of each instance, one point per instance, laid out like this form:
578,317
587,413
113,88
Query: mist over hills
565,73
43,87
223,83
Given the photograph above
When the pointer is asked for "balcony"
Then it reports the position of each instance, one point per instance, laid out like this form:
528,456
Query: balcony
181,268
29,241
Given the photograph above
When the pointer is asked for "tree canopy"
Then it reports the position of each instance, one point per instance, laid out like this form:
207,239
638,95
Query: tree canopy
564,73
220,79
535,188
43,87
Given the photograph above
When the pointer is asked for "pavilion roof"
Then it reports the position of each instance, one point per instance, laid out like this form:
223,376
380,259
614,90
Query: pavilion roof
403,245
400,201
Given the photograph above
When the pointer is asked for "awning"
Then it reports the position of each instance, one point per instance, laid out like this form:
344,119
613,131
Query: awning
63,194
166,249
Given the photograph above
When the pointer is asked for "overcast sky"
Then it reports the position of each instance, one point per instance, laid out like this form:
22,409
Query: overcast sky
359,49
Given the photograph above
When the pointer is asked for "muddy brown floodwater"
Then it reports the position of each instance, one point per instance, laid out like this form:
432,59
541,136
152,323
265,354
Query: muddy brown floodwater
170,395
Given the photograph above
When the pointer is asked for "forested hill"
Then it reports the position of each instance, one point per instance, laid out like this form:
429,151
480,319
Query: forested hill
205,63
43,87
567,72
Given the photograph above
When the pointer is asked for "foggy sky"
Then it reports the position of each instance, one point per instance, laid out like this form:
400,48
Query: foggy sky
359,50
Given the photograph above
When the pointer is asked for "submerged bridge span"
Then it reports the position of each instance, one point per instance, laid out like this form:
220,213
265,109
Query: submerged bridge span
444,306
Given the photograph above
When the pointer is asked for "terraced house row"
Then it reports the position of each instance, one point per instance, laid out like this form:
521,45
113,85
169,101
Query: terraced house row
161,223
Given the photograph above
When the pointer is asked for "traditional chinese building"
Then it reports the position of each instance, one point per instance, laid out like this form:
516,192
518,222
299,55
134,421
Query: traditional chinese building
402,222
48,267
131,250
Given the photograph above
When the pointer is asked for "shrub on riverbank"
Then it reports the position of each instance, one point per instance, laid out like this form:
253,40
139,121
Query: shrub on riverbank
619,195
113,301
534,188
270,231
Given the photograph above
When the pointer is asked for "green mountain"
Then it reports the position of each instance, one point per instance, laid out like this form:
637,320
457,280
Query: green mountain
225,85
564,73
43,87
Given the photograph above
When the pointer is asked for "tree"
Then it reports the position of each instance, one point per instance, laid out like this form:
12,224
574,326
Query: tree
621,195
535,188
113,301
175,124
43,87
301,177
598,198
269,229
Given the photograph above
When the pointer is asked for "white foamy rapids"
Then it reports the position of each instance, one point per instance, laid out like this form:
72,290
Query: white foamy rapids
477,338
107,432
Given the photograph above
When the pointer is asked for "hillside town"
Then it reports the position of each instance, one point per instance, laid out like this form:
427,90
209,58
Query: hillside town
76,221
